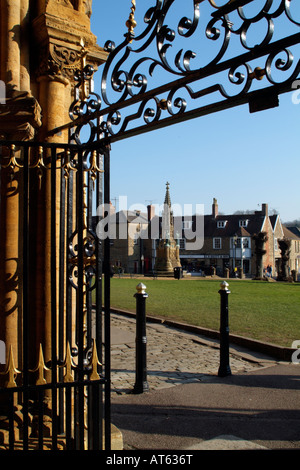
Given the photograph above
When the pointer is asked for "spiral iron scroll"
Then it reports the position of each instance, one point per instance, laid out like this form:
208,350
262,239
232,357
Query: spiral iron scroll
237,66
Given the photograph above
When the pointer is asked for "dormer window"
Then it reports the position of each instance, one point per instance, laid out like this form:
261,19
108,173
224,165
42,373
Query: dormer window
221,223
243,223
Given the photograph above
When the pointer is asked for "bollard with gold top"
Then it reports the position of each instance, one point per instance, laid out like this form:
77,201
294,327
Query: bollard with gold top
141,383
224,368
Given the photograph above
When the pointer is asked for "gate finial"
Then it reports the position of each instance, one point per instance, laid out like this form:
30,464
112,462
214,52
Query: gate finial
11,371
131,23
94,363
68,377
40,368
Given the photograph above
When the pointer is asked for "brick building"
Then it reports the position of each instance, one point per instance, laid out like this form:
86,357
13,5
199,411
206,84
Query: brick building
228,247
293,234
229,244
130,247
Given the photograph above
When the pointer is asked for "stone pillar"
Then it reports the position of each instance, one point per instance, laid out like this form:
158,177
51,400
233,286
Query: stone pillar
24,47
11,180
53,97
10,259
10,40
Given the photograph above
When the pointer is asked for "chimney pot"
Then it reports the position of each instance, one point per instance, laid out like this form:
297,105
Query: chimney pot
264,209
151,212
215,208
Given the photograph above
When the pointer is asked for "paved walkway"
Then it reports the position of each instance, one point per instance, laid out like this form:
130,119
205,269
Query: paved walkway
257,407
173,357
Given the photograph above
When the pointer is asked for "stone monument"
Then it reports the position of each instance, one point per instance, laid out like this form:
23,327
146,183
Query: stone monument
167,251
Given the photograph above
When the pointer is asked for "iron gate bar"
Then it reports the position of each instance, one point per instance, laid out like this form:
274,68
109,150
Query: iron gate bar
11,424
79,303
53,299
99,267
62,271
98,432
69,234
88,293
106,152
68,417
25,303
40,418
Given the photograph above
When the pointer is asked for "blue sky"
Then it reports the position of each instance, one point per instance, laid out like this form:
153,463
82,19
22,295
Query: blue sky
241,159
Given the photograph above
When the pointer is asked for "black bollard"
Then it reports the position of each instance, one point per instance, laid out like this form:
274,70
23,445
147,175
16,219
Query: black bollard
141,384
224,368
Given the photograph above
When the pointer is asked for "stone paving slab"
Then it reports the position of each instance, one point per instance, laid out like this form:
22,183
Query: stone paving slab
226,442
174,357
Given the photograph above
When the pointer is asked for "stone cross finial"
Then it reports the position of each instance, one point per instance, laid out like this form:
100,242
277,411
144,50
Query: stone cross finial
167,196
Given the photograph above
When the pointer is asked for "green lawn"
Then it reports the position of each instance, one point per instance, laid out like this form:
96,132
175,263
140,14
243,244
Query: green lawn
260,310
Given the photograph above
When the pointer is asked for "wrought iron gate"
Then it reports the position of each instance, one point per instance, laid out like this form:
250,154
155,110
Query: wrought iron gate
63,403
144,98
246,52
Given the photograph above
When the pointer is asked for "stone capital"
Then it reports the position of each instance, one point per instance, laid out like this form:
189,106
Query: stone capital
64,38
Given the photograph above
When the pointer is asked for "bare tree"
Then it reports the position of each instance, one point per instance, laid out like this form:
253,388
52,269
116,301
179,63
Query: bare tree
260,240
285,248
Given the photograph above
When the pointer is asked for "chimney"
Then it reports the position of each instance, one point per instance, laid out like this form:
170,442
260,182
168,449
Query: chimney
151,212
215,208
264,209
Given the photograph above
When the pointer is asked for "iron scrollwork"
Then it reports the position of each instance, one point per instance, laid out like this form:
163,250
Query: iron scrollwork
86,102
241,51
91,162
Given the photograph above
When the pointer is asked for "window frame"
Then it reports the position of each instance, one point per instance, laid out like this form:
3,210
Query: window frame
219,239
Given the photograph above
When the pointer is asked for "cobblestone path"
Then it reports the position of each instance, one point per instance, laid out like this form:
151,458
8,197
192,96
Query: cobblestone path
173,357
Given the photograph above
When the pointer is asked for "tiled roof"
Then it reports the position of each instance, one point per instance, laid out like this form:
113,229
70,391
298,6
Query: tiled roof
232,226
274,219
289,234
294,230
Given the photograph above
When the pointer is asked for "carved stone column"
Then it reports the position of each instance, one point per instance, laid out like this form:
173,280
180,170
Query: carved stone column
10,39
63,38
19,117
39,84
